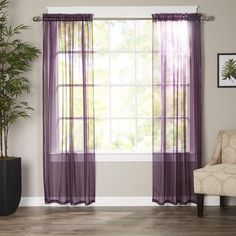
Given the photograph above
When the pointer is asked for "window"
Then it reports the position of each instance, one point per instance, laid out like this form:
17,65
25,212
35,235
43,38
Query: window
123,85
122,90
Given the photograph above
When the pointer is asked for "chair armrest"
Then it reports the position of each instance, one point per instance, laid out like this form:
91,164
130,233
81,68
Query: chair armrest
216,158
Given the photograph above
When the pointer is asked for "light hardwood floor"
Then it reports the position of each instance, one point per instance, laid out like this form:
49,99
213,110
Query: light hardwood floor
114,221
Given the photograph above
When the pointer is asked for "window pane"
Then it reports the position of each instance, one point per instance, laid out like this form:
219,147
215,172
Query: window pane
101,35
64,130
170,108
70,101
156,135
101,102
144,35
89,76
123,135
157,68
122,35
91,134
64,35
183,136
176,133
102,134
144,101
122,68
122,101
68,142
176,101
170,135
144,135
89,90
69,68
169,68
101,68
77,104
78,138
157,101
144,68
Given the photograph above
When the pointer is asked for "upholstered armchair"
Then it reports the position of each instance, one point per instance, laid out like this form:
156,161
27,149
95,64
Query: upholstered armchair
218,177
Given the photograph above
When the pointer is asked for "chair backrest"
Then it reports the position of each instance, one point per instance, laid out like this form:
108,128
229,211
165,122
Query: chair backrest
228,147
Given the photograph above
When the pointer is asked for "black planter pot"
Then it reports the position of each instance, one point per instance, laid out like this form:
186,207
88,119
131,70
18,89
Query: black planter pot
10,185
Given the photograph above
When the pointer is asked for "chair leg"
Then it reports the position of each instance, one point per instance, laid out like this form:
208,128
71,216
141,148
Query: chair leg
200,203
222,201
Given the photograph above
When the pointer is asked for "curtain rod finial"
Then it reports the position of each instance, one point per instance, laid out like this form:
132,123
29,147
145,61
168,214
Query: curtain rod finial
37,18
208,18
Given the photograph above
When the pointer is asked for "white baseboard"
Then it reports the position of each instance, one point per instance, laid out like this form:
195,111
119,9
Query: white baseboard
32,201
119,201
100,201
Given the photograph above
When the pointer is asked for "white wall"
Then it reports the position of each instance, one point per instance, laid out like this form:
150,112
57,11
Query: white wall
127,178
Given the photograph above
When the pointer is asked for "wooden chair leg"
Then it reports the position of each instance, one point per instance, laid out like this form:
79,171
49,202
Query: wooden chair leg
200,203
222,201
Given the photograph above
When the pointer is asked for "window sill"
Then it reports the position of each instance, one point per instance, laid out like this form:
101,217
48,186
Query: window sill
124,157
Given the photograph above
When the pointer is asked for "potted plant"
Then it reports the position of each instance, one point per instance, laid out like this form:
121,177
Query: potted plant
15,59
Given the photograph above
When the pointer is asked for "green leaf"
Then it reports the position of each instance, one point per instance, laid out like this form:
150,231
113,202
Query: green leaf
229,70
16,57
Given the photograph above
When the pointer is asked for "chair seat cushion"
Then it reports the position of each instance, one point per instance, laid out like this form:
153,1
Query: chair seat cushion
216,180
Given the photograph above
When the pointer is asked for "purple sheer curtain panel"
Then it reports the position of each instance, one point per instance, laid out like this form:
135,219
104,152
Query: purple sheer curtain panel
176,106
68,113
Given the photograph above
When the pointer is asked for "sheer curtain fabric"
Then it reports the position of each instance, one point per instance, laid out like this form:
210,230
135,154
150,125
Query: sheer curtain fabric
68,113
176,106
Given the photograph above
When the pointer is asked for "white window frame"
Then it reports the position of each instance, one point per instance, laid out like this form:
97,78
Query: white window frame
123,12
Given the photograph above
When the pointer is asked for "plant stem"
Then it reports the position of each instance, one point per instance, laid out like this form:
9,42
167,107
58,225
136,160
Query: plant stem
5,140
1,146
1,135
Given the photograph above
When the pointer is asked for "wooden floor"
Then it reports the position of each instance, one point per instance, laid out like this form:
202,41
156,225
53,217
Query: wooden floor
113,221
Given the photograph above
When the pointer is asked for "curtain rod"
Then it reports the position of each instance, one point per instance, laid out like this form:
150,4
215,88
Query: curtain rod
203,18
